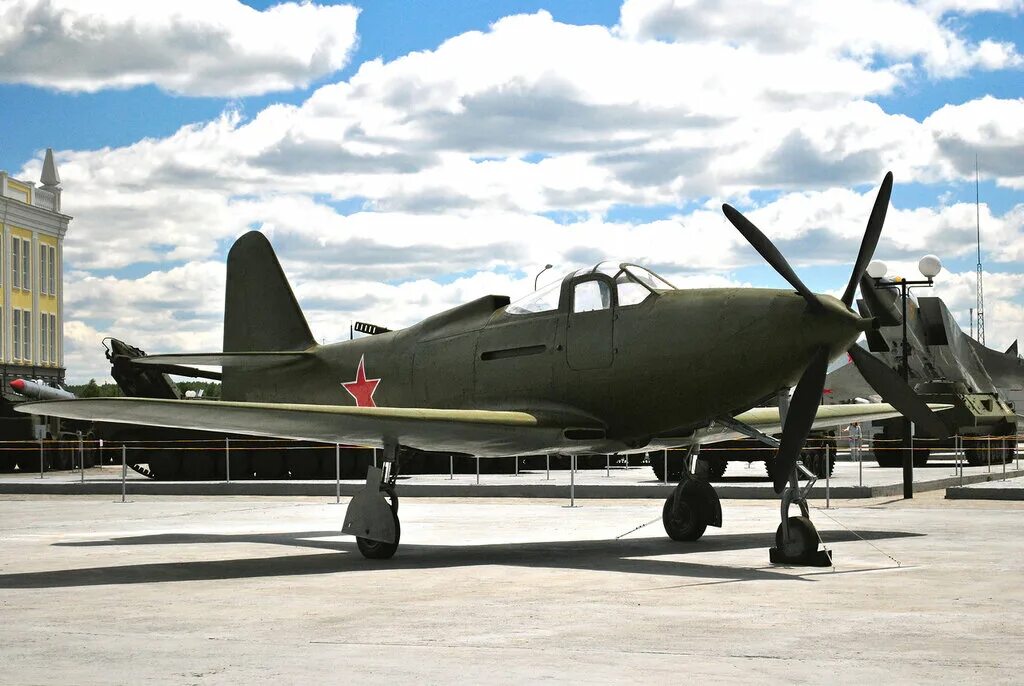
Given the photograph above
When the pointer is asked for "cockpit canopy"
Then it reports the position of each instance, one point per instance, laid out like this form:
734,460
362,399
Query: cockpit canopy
633,285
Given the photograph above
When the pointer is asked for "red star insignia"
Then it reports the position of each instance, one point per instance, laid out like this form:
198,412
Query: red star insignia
362,389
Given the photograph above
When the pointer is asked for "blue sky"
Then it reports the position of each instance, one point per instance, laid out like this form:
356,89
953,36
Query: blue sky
446,170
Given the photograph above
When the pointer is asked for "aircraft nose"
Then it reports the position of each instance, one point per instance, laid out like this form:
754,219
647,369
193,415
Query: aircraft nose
835,326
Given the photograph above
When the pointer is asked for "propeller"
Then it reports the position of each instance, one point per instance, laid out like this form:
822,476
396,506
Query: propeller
771,255
895,391
804,404
870,240
802,408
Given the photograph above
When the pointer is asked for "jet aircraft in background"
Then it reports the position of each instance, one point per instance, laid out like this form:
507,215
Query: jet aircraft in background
611,359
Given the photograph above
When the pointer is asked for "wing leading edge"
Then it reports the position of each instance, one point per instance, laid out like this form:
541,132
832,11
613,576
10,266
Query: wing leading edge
480,432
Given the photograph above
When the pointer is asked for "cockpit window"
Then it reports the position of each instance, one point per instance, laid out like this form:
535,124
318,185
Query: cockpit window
590,296
543,300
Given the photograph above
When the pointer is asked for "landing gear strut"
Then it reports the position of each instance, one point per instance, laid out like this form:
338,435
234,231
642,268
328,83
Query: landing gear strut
693,505
796,539
372,515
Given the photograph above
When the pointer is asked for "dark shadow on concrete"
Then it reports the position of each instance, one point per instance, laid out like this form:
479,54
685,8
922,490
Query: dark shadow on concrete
631,556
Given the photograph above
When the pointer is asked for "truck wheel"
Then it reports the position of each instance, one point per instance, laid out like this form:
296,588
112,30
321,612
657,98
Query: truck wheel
675,465
715,466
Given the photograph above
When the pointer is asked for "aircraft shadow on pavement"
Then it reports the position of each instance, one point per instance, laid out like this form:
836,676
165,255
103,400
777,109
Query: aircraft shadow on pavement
633,556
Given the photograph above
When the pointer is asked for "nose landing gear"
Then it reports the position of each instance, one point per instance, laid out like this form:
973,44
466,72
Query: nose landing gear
796,539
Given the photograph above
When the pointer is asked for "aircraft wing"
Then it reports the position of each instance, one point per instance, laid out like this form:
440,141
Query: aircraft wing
476,432
767,421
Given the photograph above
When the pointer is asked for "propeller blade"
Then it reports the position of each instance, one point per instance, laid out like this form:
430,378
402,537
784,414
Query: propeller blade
895,391
886,313
802,409
771,254
870,240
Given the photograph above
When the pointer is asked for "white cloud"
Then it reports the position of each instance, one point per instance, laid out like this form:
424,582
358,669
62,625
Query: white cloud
858,29
189,47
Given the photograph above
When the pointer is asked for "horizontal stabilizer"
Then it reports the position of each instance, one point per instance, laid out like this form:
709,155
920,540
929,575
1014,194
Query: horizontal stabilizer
234,360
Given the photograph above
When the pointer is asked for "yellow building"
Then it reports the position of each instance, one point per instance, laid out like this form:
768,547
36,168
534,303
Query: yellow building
31,277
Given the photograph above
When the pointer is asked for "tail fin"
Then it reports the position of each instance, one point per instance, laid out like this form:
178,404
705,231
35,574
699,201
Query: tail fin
260,310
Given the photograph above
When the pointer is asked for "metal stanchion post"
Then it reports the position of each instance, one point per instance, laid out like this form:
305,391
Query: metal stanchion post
337,474
860,464
1002,458
81,456
451,467
374,457
547,468
828,479
988,454
477,470
607,465
124,470
959,443
572,481
517,465
227,459
665,464
40,458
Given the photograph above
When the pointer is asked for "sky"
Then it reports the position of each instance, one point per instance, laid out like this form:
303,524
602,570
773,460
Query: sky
407,156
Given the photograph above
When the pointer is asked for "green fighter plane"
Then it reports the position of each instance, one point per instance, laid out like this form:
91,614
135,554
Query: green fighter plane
611,359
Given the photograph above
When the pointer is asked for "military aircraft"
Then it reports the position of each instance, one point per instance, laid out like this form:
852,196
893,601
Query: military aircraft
611,359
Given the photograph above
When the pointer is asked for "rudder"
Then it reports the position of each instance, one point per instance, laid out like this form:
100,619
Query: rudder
260,309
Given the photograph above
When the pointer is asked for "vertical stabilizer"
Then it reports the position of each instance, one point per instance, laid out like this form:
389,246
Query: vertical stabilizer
260,310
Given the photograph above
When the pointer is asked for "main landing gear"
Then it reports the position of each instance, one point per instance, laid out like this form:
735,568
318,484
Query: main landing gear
796,539
693,505
372,515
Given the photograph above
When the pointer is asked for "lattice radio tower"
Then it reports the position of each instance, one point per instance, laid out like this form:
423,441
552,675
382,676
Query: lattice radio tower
981,292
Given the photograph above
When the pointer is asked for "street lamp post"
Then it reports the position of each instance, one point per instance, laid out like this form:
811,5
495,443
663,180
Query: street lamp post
929,266
546,267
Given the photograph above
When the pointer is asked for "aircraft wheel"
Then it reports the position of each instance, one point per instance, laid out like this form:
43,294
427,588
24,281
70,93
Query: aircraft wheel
379,550
803,538
684,523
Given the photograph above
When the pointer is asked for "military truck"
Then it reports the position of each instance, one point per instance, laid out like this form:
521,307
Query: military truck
987,424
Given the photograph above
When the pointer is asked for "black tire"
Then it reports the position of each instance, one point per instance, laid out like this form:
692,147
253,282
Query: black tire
304,463
977,455
268,464
164,465
803,538
715,466
685,525
889,458
921,456
815,461
675,465
379,550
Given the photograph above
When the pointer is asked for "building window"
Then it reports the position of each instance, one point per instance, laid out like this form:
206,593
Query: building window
26,264
44,353
16,338
15,262
53,338
52,271
26,333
